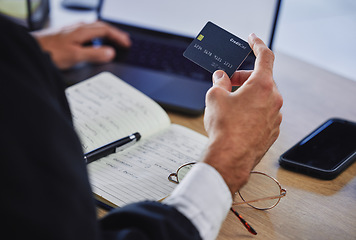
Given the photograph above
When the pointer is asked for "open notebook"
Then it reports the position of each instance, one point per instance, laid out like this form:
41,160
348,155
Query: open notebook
105,109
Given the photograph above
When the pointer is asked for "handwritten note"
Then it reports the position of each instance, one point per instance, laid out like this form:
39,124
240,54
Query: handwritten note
106,109
141,171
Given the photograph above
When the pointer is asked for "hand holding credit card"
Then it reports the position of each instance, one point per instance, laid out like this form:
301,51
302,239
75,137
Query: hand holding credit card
216,49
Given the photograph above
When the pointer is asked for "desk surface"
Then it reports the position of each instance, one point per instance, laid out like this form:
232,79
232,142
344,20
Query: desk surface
312,209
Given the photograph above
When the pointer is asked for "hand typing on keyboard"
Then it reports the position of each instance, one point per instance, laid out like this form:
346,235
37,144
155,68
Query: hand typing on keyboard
66,46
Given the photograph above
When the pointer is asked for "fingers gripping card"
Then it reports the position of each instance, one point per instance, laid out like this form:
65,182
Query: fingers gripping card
216,49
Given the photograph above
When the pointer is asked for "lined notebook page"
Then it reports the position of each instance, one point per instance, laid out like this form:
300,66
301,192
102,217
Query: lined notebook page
141,171
105,109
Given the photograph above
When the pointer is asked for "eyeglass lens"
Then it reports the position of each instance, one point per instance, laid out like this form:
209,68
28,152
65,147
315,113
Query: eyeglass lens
183,171
261,191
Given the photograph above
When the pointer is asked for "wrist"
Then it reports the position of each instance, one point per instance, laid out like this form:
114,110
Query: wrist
230,161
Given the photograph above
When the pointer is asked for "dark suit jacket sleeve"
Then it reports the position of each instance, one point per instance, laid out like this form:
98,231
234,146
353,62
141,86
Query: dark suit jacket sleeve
45,192
147,220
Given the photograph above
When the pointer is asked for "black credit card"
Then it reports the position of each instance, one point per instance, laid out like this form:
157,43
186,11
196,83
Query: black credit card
216,49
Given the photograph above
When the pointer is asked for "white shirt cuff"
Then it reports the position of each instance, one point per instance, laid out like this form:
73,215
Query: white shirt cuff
204,198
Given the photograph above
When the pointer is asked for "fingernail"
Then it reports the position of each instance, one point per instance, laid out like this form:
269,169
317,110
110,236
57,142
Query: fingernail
253,35
217,75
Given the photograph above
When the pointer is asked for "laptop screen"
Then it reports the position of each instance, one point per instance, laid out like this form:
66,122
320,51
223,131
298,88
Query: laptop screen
187,17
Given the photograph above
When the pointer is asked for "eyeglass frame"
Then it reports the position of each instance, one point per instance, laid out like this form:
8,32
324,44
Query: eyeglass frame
283,193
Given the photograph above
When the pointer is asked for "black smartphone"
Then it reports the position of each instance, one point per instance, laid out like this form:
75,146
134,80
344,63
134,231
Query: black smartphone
325,152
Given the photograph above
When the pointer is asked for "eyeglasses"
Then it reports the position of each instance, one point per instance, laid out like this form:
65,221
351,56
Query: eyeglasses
261,192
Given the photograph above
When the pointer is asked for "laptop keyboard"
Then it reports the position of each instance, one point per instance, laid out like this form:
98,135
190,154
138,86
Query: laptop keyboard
162,57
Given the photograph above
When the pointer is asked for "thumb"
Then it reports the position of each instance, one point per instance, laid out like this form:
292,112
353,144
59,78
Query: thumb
220,79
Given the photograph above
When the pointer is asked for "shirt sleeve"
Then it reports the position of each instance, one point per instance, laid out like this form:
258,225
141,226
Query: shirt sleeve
204,198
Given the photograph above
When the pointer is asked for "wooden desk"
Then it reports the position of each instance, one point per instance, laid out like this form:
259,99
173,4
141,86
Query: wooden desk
312,209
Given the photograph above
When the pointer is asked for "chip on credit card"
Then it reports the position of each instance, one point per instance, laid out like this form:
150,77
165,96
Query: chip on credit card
217,49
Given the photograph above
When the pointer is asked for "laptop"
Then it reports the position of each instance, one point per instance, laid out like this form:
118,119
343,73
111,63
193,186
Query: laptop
161,30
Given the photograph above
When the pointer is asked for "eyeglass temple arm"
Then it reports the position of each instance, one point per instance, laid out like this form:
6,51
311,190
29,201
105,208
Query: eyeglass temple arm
283,193
243,221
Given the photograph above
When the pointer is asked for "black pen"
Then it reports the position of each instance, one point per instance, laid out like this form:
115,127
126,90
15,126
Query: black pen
113,147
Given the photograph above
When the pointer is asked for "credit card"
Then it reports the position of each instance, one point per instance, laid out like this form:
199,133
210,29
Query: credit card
217,49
